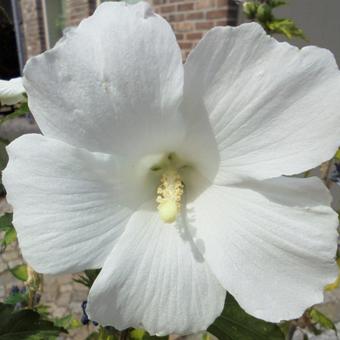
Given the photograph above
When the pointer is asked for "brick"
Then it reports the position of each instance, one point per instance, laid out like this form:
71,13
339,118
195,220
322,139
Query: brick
159,2
194,36
221,3
217,14
168,9
176,17
204,25
195,16
184,26
221,22
185,7
185,44
204,4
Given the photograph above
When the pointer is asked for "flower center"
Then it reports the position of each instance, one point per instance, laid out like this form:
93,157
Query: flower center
169,194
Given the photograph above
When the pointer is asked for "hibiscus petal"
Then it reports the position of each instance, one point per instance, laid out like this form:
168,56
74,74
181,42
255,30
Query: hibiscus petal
66,212
113,84
273,253
155,279
11,91
270,108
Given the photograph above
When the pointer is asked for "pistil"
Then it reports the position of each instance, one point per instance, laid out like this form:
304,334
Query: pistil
169,194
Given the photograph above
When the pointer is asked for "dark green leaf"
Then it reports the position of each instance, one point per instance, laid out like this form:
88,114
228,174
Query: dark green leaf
6,221
20,272
88,277
24,324
3,155
235,324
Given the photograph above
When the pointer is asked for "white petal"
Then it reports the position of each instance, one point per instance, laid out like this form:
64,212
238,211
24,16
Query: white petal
113,84
66,204
11,91
155,279
273,253
265,108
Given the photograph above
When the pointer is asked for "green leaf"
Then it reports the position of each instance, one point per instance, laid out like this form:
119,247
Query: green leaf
286,27
25,324
137,334
337,155
67,322
321,319
6,221
20,272
88,278
277,3
235,324
10,236
15,298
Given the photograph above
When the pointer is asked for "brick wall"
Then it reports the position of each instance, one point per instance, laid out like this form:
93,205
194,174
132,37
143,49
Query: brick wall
76,10
33,27
190,19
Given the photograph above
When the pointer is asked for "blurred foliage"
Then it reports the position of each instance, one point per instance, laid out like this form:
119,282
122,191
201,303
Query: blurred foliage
320,320
261,11
25,324
235,323
9,233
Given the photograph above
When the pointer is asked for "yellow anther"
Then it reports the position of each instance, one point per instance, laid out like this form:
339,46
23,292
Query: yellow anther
169,194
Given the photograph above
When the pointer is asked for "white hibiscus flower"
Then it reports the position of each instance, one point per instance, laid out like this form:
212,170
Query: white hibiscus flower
12,91
121,117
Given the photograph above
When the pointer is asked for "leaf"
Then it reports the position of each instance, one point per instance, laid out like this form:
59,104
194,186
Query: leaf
24,324
321,319
287,27
337,155
67,322
15,298
6,221
235,324
20,272
10,236
88,278
277,3
137,334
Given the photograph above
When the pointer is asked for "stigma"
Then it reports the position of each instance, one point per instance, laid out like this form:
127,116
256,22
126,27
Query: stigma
169,194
